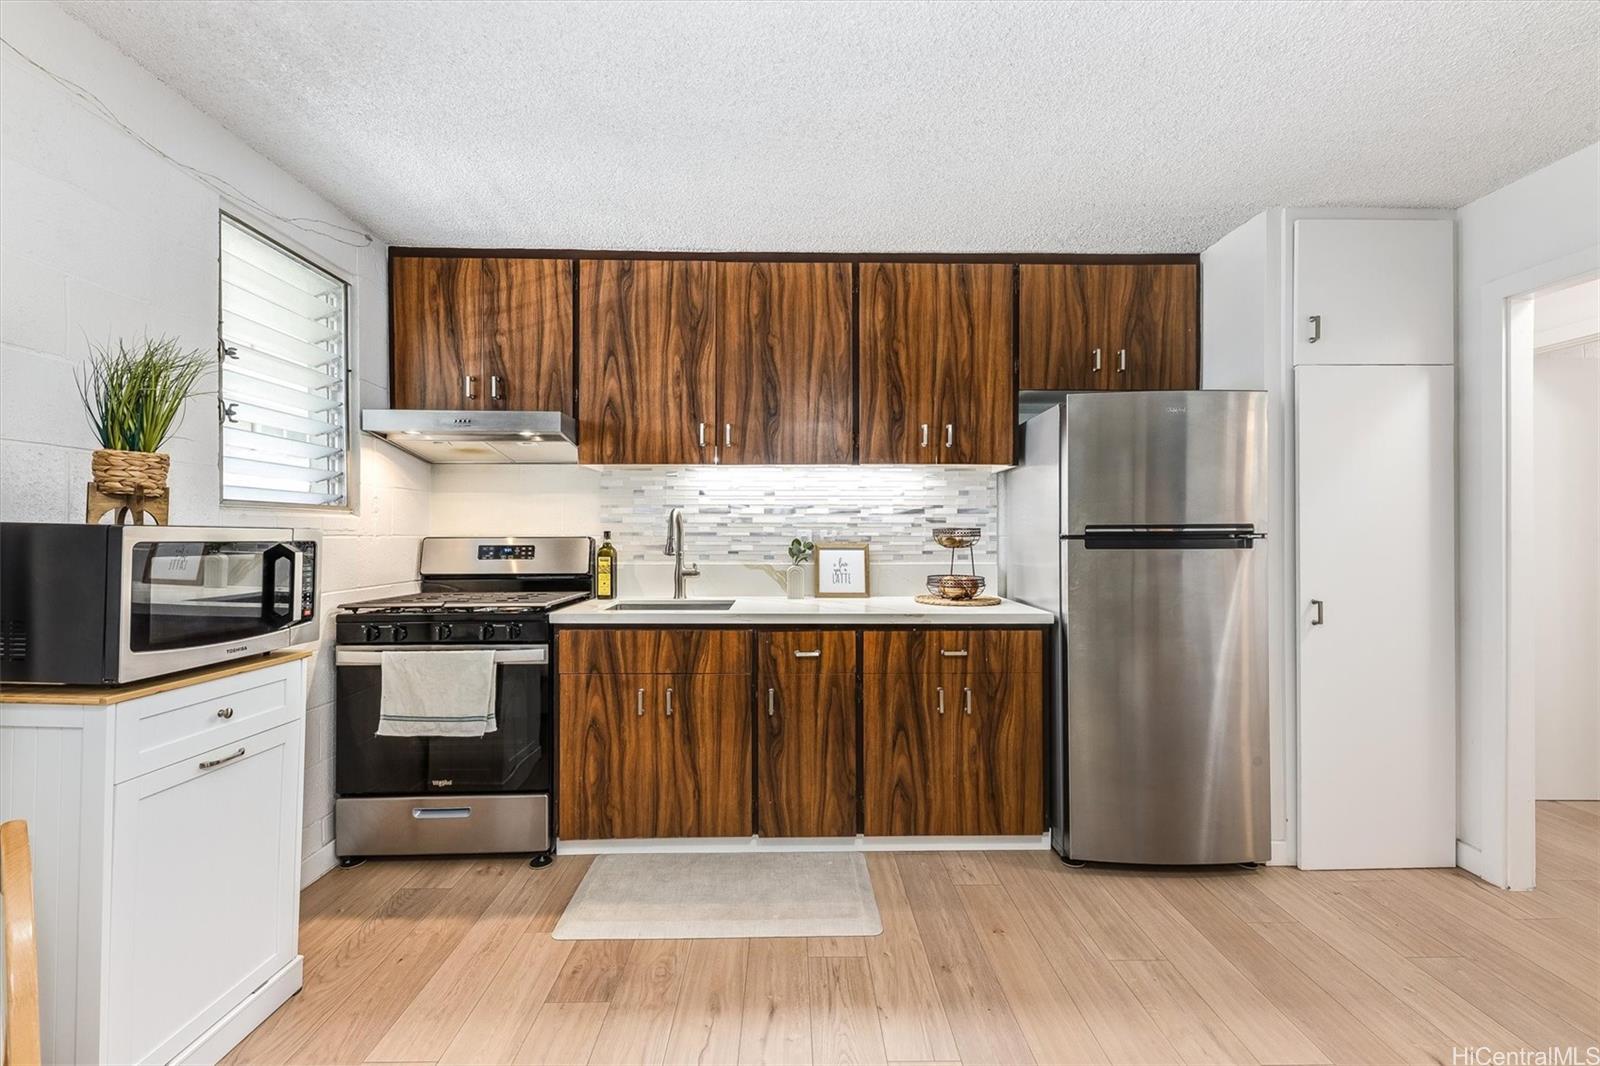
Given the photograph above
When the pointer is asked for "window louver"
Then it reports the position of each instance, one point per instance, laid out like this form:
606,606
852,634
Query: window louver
284,426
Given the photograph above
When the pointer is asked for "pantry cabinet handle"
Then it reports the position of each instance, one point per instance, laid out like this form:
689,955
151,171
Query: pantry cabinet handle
941,699
967,701
669,703
959,653
494,386
816,654
1316,329
1097,360
700,435
949,434
771,709
638,703
1316,618
924,443
210,763
1122,360
470,383
224,712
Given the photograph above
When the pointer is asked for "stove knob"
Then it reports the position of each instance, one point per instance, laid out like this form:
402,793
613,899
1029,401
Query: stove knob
442,630
371,633
514,631
397,633
486,631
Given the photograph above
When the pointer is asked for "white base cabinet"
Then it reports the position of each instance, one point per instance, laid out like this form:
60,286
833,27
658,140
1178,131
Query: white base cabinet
166,831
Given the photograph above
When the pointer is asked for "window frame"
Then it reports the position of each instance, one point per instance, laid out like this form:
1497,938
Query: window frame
227,214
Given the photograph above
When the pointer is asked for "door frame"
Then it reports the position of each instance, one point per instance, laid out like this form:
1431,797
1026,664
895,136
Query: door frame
1507,857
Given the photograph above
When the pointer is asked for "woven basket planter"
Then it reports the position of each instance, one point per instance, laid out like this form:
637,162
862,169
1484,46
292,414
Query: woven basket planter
119,473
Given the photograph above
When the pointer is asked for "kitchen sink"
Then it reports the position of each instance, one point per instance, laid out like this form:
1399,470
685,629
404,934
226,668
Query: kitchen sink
671,605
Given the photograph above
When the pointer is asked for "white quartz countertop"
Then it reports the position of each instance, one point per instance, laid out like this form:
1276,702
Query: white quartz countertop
779,610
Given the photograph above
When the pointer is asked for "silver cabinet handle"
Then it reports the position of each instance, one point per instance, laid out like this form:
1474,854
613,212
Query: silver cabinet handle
771,708
949,434
924,443
940,690
423,814
638,703
224,712
494,386
209,763
966,701
1097,360
1316,329
1316,607
470,383
1122,360
958,653
727,434
669,703
700,434
816,654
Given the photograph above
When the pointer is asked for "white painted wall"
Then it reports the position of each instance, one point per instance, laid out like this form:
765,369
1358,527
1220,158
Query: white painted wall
1566,404
101,237
1512,240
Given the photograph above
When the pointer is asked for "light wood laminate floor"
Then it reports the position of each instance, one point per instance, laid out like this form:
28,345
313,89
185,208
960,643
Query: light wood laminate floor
1000,957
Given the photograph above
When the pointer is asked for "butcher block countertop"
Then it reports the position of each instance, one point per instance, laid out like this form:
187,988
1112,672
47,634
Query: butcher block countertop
781,611
101,695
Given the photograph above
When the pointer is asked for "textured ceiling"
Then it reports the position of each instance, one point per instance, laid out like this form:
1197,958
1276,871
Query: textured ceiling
873,126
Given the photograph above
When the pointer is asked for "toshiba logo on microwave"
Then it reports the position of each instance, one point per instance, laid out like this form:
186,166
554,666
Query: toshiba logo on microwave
236,649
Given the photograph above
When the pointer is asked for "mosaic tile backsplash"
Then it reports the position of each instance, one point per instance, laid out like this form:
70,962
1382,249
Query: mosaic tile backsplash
749,514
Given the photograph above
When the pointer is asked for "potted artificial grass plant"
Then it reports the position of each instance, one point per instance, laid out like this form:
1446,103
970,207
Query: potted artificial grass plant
134,398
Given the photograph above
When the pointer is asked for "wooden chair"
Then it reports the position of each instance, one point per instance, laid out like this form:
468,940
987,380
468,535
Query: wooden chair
22,957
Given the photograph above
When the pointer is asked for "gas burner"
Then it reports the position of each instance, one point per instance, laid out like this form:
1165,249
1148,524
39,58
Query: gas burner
470,602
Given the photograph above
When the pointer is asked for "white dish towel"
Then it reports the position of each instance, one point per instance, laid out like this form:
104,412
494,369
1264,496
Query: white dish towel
437,694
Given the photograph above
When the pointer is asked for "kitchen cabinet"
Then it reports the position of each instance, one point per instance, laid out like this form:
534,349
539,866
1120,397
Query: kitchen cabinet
481,333
646,361
654,733
952,746
936,380
169,898
806,733
785,388
1108,326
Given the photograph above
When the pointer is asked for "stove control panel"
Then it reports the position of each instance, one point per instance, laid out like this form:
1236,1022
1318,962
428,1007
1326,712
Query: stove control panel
464,631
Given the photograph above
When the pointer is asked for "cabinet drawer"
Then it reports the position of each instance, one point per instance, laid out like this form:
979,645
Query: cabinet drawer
922,651
654,651
172,726
806,651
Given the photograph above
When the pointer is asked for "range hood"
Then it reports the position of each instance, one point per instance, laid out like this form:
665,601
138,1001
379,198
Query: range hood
477,436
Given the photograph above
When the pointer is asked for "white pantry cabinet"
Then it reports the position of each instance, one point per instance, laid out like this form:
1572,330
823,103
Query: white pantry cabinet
165,822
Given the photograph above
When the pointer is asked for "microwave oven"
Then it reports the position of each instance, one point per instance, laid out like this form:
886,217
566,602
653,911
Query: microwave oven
106,605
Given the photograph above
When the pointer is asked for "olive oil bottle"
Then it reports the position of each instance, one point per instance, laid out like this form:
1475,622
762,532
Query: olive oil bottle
605,570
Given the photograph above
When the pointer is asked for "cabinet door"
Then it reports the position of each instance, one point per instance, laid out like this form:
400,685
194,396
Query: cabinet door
911,754
703,780
785,388
1002,753
1153,327
1062,326
481,333
974,369
205,902
899,326
611,755
806,733
646,361
1370,291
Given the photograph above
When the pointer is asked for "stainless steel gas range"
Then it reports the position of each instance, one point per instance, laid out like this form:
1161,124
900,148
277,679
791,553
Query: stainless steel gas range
438,795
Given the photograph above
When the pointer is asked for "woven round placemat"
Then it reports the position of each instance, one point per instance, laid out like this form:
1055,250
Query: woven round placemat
976,601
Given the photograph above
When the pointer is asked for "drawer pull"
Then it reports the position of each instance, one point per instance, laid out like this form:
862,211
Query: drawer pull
423,814
941,699
210,763
224,712
638,703
817,654
967,701
958,653
771,708
669,703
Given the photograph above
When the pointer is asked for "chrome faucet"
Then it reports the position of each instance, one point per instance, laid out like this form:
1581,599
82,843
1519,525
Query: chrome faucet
675,549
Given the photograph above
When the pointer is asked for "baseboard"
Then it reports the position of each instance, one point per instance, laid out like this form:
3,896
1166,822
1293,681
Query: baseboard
724,845
317,863
1282,854
1475,862
240,1022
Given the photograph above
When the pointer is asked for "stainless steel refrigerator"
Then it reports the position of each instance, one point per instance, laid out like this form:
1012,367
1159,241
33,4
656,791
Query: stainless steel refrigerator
1138,519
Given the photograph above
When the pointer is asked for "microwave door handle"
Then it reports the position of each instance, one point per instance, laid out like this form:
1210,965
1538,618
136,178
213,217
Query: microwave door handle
269,589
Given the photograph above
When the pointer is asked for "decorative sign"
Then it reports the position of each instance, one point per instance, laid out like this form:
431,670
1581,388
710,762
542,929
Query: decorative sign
842,570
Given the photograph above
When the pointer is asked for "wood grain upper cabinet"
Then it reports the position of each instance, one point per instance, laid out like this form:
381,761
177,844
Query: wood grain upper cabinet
936,383
784,369
476,333
646,358
806,733
1108,326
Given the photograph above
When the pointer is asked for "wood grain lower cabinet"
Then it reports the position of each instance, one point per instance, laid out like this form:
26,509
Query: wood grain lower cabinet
806,733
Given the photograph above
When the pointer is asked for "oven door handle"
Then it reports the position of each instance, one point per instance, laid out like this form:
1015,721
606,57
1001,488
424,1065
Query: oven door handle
356,656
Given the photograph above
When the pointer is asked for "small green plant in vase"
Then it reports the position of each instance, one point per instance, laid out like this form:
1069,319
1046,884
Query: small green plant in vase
795,577
134,397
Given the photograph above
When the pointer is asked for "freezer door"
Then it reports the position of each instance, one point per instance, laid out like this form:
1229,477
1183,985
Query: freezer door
1166,692
1164,458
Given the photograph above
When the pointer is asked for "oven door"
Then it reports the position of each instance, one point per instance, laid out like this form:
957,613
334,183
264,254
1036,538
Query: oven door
516,757
190,597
